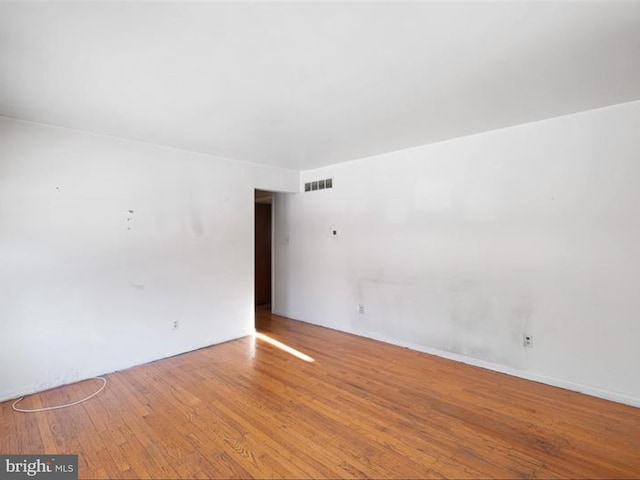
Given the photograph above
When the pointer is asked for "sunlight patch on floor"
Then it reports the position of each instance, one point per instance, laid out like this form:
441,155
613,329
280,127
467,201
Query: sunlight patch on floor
285,348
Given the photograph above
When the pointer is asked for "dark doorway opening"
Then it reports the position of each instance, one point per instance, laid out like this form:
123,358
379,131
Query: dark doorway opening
263,203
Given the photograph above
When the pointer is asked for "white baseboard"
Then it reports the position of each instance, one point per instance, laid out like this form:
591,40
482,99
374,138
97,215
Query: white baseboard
553,381
535,377
25,390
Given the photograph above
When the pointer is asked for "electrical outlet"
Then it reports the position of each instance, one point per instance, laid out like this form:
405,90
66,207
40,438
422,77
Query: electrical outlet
361,309
176,324
527,340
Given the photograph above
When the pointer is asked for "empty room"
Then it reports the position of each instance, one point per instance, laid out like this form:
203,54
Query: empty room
340,239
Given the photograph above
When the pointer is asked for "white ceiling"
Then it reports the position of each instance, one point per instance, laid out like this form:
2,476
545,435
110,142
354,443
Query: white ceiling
306,84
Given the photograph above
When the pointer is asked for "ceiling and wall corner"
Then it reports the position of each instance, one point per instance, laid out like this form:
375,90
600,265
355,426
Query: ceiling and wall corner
305,84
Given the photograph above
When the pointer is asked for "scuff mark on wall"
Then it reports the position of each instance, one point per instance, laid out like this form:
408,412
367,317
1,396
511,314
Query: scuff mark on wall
469,317
129,218
488,323
195,224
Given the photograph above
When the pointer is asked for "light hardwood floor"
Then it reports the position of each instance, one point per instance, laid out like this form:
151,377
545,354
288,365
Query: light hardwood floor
361,409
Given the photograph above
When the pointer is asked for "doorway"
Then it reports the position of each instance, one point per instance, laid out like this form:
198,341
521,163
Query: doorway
263,232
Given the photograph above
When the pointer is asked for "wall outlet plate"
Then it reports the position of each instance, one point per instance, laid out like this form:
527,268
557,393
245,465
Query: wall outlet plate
527,340
176,324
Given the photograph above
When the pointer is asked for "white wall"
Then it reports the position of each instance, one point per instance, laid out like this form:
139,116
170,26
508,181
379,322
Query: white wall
80,293
461,247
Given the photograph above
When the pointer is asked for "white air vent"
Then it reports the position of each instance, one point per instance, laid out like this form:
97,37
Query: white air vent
318,185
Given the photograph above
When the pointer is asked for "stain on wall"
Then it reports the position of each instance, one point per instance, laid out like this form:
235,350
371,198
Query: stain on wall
466,317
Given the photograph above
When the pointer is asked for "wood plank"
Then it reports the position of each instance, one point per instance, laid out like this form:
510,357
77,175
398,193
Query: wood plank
361,409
